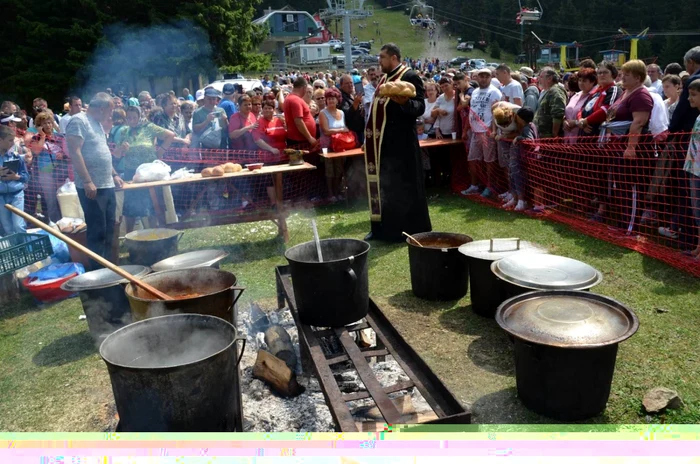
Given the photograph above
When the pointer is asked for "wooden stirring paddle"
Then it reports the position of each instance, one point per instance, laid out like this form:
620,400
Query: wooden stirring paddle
152,290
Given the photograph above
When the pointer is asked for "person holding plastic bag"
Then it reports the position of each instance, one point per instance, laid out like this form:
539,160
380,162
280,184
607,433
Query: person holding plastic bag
136,142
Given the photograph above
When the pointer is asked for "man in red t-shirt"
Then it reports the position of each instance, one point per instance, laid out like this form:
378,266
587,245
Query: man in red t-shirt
301,127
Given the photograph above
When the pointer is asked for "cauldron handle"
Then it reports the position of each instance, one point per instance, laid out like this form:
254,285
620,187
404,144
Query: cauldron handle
351,272
242,289
236,340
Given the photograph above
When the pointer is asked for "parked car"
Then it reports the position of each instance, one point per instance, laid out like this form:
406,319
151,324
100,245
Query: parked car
462,46
247,84
477,63
367,59
334,42
459,60
338,47
359,52
520,59
365,45
492,65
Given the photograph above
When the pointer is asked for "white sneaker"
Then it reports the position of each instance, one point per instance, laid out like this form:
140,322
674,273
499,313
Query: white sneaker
521,206
503,196
508,197
471,190
509,204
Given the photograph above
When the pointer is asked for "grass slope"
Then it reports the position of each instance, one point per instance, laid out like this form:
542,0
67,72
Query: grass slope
52,379
394,27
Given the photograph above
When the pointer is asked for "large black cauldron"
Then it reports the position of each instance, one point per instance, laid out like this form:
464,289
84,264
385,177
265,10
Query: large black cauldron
335,292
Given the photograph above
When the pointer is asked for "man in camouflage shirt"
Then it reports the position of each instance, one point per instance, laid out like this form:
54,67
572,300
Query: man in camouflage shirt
550,113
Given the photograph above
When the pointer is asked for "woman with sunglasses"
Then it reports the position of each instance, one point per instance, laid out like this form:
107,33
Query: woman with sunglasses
49,160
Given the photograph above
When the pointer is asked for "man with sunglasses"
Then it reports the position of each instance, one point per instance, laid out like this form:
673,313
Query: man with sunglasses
39,105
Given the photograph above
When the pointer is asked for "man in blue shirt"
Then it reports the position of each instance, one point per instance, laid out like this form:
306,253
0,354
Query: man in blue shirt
227,102
187,95
13,179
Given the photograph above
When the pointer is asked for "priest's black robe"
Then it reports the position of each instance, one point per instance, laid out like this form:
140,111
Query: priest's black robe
397,194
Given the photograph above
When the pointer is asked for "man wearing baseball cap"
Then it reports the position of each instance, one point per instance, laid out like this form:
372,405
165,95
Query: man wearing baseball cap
227,103
9,119
209,122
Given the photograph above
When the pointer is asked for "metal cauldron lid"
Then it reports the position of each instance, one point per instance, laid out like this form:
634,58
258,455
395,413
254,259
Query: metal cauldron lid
193,259
546,272
103,278
498,248
567,319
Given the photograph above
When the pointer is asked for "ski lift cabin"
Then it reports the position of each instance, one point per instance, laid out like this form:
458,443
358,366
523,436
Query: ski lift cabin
528,15
422,15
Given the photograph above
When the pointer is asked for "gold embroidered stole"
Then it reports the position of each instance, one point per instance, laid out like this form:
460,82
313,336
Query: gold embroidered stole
374,135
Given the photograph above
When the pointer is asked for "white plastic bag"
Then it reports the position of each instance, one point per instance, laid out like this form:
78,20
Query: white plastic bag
150,172
67,188
182,173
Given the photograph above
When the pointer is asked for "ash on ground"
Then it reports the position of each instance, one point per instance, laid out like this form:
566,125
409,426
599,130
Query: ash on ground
263,411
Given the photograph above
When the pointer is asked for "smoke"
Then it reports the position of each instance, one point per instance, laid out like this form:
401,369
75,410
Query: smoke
127,55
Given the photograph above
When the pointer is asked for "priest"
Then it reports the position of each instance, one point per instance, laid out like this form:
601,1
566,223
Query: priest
395,179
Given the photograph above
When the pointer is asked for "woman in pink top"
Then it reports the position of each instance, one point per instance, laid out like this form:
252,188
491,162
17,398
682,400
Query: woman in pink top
241,125
578,98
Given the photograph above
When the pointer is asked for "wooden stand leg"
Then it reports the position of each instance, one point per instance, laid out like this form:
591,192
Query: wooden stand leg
160,212
281,216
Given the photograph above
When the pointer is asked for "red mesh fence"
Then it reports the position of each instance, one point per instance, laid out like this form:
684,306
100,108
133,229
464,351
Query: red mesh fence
644,202
642,199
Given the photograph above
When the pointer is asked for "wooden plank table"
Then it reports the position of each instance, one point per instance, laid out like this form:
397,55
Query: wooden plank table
278,216
428,143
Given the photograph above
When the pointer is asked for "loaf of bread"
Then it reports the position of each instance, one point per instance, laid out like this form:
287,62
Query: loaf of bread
207,172
217,171
229,167
237,167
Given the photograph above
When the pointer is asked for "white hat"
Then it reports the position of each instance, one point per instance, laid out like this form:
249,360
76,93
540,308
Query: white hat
527,71
10,118
199,95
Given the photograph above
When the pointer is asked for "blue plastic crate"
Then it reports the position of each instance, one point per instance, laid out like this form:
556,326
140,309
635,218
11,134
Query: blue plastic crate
22,250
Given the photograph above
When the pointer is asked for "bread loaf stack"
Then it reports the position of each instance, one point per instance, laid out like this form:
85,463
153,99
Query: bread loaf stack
397,89
218,171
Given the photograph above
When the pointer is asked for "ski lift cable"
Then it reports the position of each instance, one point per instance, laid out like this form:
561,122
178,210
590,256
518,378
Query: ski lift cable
476,21
488,28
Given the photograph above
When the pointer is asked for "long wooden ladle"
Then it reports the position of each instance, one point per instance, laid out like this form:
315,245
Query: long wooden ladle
112,267
413,239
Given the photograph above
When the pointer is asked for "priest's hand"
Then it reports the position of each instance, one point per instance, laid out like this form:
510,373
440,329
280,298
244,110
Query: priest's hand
399,100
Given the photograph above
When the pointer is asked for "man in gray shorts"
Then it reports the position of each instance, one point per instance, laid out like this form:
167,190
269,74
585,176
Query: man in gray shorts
482,146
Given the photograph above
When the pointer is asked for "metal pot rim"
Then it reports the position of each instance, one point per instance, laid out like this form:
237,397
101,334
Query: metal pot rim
68,285
328,240
168,368
172,233
204,269
220,257
418,236
506,305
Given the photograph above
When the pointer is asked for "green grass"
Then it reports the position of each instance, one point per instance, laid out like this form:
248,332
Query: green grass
52,379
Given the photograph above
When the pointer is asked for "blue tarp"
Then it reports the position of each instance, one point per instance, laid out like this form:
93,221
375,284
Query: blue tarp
56,271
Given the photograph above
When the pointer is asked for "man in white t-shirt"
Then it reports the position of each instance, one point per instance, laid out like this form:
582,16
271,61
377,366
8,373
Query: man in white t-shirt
482,146
512,91
75,107
654,73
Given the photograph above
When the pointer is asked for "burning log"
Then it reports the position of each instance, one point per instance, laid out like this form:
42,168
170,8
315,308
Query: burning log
365,338
279,344
273,371
404,404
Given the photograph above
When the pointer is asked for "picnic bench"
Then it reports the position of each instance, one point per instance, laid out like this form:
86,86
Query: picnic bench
277,214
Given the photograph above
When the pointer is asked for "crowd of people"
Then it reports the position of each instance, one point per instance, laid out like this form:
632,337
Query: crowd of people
498,113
